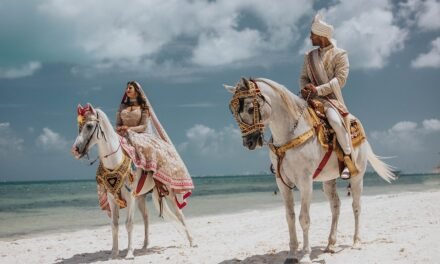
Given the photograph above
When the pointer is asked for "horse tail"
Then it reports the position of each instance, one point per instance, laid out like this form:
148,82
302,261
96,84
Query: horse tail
384,170
166,211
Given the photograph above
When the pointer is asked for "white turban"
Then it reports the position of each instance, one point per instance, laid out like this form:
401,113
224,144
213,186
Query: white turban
321,28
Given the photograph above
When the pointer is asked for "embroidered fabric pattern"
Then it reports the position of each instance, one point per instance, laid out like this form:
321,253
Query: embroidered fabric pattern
113,180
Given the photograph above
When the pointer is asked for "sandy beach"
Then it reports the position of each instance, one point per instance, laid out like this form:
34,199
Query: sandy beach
396,228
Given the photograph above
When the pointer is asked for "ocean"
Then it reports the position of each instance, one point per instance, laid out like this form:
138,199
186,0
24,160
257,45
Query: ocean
31,208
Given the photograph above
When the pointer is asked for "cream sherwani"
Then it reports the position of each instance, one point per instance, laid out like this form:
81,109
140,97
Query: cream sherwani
329,73
336,67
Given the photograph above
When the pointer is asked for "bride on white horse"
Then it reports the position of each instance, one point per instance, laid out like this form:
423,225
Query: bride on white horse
159,167
300,147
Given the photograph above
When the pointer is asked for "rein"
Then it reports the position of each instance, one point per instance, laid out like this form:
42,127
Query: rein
280,151
234,105
97,129
258,125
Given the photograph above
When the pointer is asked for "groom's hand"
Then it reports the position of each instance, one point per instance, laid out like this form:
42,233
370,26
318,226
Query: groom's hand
309,91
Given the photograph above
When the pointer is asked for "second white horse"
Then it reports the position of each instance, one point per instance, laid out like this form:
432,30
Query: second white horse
261,102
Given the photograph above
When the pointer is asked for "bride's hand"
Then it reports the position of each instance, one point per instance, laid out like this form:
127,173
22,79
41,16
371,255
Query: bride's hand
121,130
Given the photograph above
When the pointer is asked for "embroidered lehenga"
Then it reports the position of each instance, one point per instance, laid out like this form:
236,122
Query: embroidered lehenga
150,149
149,152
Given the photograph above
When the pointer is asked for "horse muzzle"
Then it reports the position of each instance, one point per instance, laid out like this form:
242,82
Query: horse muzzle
78,152
75,152
253,140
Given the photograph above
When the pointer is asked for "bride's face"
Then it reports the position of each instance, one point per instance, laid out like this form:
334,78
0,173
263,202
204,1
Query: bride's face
131,92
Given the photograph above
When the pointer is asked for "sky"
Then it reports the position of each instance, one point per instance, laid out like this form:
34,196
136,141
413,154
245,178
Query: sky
55,54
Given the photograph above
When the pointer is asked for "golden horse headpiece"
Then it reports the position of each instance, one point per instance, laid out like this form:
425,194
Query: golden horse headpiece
83,112
254,92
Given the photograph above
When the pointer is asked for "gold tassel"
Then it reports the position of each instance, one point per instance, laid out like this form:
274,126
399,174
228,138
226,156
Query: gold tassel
350,165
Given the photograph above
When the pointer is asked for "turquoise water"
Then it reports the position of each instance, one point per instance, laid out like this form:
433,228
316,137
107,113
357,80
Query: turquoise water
28,208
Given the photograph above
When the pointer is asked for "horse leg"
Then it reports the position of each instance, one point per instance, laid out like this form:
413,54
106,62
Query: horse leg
114,207
129,222
181,217
304,218
141,201
356,190
142,205
290,217
335,205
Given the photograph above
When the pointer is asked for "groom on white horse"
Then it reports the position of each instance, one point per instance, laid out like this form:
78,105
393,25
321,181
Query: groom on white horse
323,76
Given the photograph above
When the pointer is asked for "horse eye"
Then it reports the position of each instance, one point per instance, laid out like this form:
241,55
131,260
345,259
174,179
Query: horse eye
89,126
250,110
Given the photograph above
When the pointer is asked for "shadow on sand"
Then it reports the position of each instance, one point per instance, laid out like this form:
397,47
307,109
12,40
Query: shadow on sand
104,255
280,257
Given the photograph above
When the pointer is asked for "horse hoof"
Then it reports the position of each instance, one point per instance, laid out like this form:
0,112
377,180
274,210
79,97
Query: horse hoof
129,255
114,255
357,245
306,260
291,261
330,249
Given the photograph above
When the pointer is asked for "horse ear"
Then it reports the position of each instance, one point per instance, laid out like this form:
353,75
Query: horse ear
90,108
229,88
79,109
244,82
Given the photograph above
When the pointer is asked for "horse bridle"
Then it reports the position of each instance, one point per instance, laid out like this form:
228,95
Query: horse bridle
257,125
234,105
81,123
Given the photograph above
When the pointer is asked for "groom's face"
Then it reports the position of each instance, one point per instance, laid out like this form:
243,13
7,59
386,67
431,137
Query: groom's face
316,40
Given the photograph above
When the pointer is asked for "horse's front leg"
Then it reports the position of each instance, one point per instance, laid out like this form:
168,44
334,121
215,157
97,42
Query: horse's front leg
306,190
114,207
131,205
290,217
335,205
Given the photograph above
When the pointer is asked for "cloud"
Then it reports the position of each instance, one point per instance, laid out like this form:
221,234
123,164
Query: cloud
430,59
421,13
408,136
209,141
233,42
9,142
367,31
223,49
220,152
20,72
50,140
145,35
431,125
414,147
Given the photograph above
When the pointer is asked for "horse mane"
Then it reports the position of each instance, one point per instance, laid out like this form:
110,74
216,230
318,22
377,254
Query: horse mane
105,119
290,100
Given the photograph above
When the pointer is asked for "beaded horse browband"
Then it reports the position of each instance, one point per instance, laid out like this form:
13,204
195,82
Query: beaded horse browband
83,114
234,105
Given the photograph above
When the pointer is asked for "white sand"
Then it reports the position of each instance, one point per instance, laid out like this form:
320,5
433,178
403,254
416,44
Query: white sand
398,228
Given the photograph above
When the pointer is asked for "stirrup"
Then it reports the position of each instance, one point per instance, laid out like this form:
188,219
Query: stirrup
345,175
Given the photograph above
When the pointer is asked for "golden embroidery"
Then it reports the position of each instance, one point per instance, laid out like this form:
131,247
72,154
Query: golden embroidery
357,133
113,180
234,105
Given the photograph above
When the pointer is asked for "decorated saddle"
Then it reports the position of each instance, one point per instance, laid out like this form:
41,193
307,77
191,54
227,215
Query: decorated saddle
327,137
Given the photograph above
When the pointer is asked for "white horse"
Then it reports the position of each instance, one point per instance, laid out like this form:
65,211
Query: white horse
95,128
286,115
